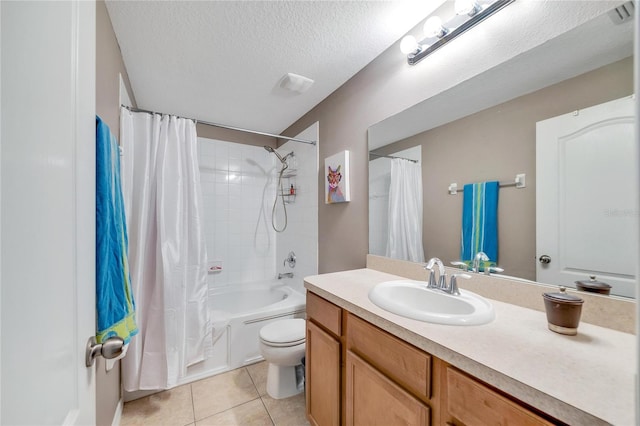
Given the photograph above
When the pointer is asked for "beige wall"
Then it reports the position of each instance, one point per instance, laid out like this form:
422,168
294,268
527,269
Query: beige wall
109,66
497,144
212,132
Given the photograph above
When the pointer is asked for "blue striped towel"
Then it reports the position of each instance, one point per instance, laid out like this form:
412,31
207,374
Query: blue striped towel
480,221
115,306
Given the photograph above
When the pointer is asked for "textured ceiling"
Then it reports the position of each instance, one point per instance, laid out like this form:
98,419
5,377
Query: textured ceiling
223,61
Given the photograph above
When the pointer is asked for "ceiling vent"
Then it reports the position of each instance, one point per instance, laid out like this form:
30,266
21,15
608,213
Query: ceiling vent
622,13
296,83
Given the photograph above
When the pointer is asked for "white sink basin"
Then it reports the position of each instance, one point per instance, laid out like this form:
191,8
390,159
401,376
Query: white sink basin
412,299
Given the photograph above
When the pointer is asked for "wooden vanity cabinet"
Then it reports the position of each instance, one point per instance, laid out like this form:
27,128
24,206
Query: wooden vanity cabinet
323,362
358,374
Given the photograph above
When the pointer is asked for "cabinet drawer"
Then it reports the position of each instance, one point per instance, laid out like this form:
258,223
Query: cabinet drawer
471,403
373,399
408,366
324,313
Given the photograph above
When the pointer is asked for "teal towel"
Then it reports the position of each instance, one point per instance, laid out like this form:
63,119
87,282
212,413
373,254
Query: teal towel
480,221
115,307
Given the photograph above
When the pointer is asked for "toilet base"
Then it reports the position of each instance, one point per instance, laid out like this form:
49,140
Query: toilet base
282,381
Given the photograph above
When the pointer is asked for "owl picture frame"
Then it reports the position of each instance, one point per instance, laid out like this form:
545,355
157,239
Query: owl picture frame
336,184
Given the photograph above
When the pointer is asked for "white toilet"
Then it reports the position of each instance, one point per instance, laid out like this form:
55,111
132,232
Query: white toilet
282,345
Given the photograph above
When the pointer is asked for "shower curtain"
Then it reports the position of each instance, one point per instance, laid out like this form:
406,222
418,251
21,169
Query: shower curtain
404,240
167,253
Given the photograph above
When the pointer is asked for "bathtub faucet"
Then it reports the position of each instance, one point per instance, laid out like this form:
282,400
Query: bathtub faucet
285,275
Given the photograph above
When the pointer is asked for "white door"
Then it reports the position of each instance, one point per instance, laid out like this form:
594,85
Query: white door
586,192
47,211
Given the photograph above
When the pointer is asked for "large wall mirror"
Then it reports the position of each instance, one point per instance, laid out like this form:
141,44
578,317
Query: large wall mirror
485,129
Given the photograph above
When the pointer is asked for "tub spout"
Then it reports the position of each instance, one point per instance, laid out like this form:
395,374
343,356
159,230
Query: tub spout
285,275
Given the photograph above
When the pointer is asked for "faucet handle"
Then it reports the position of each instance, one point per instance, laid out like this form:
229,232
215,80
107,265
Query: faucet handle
290,259
489,269
453,286
463,265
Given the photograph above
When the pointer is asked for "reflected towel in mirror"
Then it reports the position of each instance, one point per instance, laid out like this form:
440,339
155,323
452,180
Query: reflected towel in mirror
480,220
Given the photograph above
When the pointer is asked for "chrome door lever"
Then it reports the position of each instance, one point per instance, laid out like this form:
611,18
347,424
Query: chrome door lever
109,349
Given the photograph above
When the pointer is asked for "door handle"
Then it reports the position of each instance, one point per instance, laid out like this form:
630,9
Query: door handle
109,349
544,259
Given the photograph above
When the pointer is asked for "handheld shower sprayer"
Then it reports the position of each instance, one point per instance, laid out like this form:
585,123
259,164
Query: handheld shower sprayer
283,160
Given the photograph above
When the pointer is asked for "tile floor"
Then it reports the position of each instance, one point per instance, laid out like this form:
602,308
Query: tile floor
238,397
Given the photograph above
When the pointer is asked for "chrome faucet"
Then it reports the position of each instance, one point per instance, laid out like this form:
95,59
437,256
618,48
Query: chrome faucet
285,275
442,275
480,257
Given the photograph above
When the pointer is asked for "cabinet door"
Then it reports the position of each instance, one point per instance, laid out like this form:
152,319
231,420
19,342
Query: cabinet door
373,399
469,402
322,377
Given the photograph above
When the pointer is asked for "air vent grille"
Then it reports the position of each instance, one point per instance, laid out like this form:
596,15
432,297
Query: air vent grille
622,13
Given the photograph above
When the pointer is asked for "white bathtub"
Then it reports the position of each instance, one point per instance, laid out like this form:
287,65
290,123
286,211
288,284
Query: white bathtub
239,312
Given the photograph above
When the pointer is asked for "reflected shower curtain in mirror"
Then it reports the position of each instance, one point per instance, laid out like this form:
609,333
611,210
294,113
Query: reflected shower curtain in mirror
167,253
404,240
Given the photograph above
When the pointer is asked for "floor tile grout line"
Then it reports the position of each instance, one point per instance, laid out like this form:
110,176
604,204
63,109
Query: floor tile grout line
193,406
260,396
273,422
253,381
231,408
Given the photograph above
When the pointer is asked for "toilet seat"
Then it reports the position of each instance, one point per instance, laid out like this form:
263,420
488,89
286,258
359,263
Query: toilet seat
284,333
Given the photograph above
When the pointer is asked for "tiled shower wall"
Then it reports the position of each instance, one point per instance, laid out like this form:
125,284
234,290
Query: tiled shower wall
239,186
237,189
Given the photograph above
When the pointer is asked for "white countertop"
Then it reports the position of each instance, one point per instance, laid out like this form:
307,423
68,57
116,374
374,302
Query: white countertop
583,379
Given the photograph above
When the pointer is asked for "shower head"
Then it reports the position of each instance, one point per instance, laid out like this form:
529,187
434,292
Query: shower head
282,160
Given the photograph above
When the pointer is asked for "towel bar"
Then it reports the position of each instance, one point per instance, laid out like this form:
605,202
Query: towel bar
519,182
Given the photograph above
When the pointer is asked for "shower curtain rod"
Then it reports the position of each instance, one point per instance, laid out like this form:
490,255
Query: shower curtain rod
391,156
224,126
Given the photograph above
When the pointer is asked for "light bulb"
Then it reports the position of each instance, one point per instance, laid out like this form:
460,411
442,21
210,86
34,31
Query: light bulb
433,28
408,44
466,7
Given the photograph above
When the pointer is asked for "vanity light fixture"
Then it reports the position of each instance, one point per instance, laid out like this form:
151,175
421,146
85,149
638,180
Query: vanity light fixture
469,13
433,28
467,7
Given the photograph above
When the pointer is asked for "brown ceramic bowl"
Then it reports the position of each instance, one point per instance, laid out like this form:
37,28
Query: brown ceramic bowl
563,312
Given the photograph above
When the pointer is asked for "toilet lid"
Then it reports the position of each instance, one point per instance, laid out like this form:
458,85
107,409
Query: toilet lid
287,332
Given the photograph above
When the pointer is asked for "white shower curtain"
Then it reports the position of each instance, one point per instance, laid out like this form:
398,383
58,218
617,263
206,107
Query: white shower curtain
404,240
167,253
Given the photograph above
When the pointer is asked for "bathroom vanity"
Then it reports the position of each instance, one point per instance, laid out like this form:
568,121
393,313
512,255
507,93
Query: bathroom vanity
368,366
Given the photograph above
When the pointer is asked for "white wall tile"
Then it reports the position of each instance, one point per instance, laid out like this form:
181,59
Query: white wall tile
239,186
236,226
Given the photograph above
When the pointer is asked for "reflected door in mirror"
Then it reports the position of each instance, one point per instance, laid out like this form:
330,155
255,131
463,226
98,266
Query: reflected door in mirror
586,196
